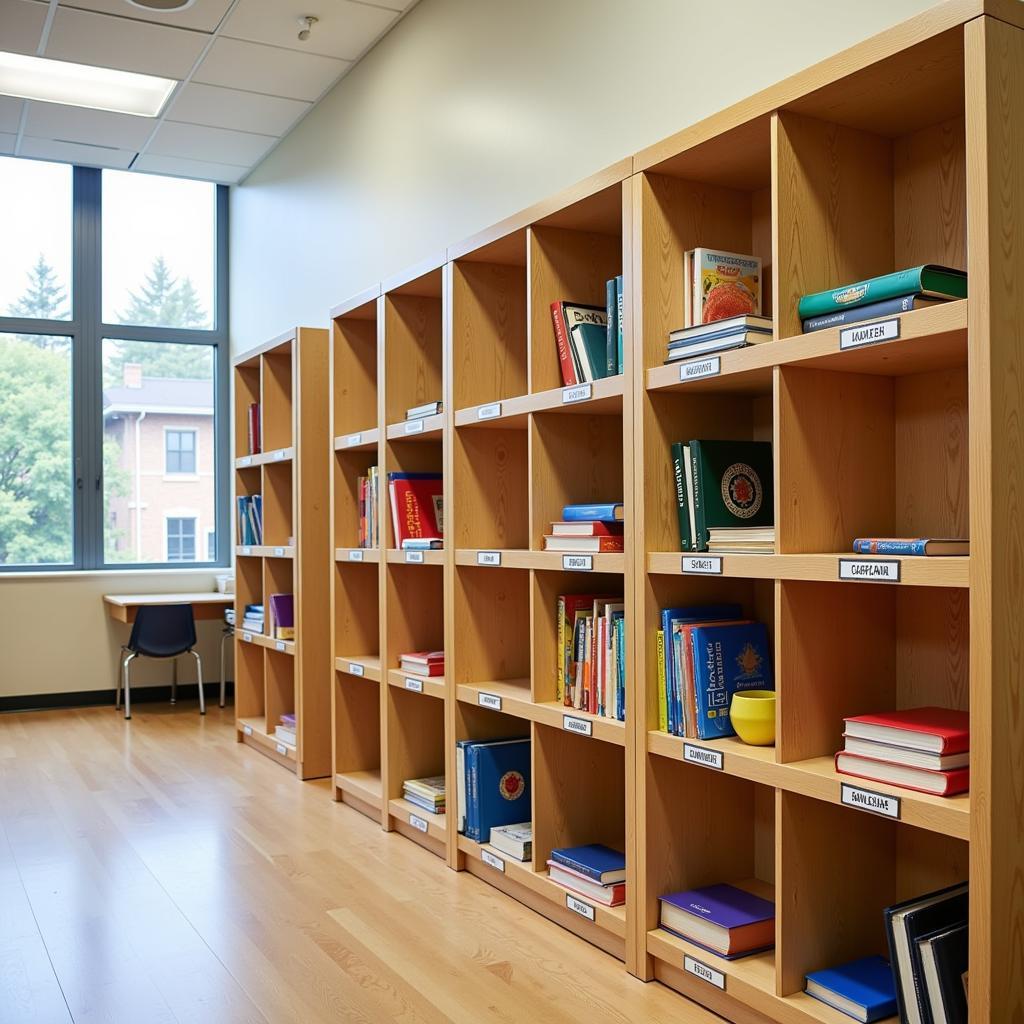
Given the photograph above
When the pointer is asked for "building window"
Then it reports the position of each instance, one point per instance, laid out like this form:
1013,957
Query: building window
211,545
180,452
181,539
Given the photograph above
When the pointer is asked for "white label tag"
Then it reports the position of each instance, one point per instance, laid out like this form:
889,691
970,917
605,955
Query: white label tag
279,645
702,565
282,749
245,460
414,427
697,368
702,971
416,685
582,726
414,556
355,555
247,637
704,757
355,669
489,859
579,907
246,550
489,412
868,800
247,729
488,558
489,700
576,393
871,569
418,823
279,552
280,454
578,563
353,439
869,334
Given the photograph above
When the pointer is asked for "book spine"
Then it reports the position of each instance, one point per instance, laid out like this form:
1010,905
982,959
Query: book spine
583,869
870,546
662,696
560,667
586,513
619,336
562,342
682,510
900,304
861,293
699,541
472,796
613,335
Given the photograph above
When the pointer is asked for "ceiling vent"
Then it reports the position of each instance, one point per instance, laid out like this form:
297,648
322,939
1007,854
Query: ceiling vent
166,6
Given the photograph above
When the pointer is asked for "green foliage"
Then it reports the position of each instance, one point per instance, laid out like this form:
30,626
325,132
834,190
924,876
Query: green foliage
163,301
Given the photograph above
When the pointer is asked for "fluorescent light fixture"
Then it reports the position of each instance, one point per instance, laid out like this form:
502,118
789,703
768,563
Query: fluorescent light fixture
81,85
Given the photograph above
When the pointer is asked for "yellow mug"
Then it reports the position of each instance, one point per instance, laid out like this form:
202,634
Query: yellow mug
753,716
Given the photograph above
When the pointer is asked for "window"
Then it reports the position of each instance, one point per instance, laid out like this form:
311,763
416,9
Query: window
113,369
181,539
180,452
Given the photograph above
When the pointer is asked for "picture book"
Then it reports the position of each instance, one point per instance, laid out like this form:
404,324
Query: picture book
416,506
720,918
725,284
862,989
596,861
732,485
873,310
929,280
564,316
497,784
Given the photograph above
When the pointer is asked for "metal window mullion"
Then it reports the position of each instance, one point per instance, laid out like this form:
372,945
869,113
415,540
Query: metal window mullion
223,474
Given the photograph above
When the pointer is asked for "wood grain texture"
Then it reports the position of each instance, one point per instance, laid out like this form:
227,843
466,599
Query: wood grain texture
412,353
490,498
354,376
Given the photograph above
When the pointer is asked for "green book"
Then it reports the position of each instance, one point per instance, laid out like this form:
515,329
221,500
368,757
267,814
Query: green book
732,486
682,509
589,344
929,280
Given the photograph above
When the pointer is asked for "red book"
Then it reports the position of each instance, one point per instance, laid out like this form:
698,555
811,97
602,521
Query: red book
416,506
937,730
562,341
583,544
587,528
920,779
423,663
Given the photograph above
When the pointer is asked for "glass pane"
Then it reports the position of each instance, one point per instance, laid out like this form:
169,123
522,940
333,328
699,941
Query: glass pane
35,257
36,476
159,251
157,496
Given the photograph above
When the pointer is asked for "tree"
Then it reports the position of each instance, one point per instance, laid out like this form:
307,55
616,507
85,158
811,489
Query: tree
44,298
163,301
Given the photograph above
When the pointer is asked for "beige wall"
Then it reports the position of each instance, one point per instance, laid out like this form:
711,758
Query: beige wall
470,110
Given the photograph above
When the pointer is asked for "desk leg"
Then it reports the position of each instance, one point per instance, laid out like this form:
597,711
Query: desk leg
174,680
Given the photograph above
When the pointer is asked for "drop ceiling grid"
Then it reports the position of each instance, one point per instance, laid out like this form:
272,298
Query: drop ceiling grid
245,79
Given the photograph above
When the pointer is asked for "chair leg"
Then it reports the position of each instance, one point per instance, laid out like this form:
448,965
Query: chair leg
127,685
117,681
174,680
199,680
223,684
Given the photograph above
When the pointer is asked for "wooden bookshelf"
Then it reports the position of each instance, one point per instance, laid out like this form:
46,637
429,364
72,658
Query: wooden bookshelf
287,376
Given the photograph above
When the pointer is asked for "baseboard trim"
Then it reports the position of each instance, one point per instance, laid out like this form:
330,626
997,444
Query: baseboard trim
97,698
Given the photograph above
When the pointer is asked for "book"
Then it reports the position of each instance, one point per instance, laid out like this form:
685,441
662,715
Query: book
905,923
938,730
422,663
745,322
741,339
862,989
743,539
619,326
936,546
725,284
282,616
422,544
249,509
416,505
873,310
906,755
721,918
682,501
595,861
928,279
514,840
732,486
497,785
255,425
606,895
587,528
569,607
943,962
285,734
662,696
368,499
612,542
424,803
589,343
565,316
612,329
418,412
611,511
461,791
946,783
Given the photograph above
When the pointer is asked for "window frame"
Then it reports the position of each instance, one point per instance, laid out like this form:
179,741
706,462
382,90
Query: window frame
178,516
87,332
181,474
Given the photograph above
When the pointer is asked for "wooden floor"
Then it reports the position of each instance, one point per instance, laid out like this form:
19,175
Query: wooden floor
156,871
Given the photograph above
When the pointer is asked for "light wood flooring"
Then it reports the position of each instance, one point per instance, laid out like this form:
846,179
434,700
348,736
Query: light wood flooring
156,872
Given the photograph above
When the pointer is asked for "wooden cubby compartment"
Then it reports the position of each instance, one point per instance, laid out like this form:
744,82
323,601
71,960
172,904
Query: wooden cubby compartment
247,392
415,614
349,466
490,494
276,408
356,612
354,371
412,348
278,509
412,456
357,733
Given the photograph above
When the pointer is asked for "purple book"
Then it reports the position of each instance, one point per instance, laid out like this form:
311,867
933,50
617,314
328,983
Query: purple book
721,918
282,616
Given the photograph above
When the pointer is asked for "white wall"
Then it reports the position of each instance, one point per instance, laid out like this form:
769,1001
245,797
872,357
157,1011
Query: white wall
470,110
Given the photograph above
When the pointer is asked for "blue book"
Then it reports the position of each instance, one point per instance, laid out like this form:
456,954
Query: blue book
618,323
595,860
499,786
612,330
858,314
605,512
727,659
862,989
911,546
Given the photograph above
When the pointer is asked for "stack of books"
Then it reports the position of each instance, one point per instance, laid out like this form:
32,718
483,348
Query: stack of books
591,654
420,412
722,919
588,528
252,620
282,616
942,547
427,793
416,507
735,332
589,338
422,663
492,780
888,295
595,871
514,841
924,749
255,428
862,989
706,654
367,495
725,486
285,731
250,518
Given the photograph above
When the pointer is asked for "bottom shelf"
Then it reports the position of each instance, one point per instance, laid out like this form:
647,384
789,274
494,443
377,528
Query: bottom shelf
361,790
253,731
427,829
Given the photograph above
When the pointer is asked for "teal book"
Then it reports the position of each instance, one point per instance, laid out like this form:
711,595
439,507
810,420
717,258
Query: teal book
682,508
733,486
927,280
611,335
618,321
589,345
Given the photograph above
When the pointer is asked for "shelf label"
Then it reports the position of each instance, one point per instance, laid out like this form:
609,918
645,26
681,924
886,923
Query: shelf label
245,460
282,749
579,907
355,669
488,558
280,454
414,427
414,556
868,800
418,823
577,393
489,700
279,552
578,563
279,645
693,754
869,334
355,555
875,570
416,685
581,726
353,439
247,637
246,550
698,368
489,412
702,971
247,729
491,861
702,565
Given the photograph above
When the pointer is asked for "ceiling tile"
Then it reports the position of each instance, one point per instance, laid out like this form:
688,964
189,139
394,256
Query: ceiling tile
7,142
10,113
215,145
224,173
229,108
75,153
344,29
99,39
21,25
203,15
94,127
267,69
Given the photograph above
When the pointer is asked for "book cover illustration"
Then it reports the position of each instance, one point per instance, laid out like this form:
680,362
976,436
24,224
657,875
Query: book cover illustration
727,284
416,506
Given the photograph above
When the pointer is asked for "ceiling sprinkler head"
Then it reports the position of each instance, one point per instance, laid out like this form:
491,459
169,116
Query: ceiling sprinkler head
305,24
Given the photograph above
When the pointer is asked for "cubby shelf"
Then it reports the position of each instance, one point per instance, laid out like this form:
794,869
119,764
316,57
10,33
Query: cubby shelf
287,377
599,397
431,686
552,561
426,429
398,556
357,555
358,441
351,664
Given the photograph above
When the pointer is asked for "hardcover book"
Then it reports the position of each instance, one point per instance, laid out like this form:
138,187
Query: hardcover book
936,546
620,357
721,328
565,316
590,350
282,616
725,284
595,861
735,339
863,989
682,505
943,963
416,506
721,918
611,511
937,730
498,786
732,485
514,840
872,311
928,279
610,542
612,329
612,895
587,528
941,783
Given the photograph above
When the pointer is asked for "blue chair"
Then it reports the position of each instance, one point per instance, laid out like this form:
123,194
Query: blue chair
160,631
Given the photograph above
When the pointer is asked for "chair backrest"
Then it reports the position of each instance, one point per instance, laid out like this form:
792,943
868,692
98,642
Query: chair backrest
163,630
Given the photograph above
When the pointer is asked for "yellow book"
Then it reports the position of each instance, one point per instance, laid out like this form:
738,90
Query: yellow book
662,696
